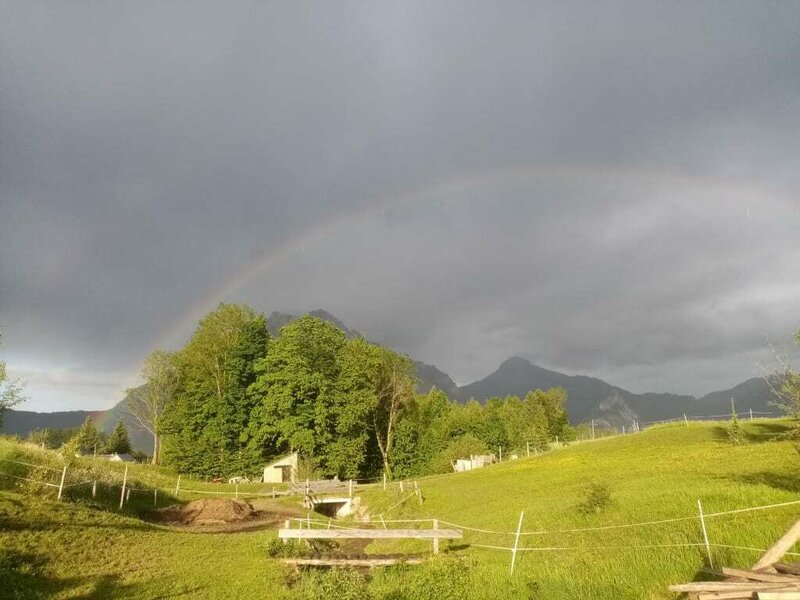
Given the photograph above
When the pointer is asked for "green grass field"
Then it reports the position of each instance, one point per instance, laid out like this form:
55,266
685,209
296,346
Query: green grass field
76,549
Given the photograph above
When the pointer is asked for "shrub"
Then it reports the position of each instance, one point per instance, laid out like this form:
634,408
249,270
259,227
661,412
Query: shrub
598,497
735,430
343,584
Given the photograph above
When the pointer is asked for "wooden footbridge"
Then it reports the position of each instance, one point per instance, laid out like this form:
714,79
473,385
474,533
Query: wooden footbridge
433,535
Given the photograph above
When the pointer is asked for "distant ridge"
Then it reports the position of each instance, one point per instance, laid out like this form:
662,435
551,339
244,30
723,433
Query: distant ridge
592,398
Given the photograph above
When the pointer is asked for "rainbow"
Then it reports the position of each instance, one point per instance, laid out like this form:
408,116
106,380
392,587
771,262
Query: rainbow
449,187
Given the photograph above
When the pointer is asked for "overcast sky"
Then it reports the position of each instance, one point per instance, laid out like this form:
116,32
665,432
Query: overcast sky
602,188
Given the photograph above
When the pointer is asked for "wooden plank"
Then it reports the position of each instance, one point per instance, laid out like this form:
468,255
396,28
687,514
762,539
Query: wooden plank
780,547
757,576
725,596
778,595
790,568
370,534
732,586
350,562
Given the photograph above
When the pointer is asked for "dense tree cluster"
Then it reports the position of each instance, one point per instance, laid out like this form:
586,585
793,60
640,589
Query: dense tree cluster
233,398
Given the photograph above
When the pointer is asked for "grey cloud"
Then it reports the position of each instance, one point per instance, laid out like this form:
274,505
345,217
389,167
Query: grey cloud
150,152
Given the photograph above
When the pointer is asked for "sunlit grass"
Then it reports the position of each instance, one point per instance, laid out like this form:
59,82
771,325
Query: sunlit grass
76,548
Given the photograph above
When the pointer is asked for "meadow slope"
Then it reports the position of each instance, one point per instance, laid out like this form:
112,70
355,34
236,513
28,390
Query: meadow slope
78,550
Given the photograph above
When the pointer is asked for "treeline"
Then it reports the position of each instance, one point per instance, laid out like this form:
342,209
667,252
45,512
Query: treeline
85,440
234,397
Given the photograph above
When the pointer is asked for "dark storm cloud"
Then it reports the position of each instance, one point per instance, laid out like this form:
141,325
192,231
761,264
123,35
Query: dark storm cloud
623,196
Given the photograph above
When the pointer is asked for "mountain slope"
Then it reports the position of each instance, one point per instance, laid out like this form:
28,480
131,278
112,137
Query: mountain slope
592,398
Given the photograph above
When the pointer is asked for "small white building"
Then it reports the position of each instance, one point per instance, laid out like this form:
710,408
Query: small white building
282,470
475,461
117,457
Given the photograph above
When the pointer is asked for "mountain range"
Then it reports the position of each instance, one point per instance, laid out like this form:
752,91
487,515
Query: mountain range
588,397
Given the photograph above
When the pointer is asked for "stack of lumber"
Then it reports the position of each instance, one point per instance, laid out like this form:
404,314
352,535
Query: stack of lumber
782,583
768,579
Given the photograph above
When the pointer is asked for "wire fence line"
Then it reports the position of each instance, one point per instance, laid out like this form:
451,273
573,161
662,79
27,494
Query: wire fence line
434,522
414,493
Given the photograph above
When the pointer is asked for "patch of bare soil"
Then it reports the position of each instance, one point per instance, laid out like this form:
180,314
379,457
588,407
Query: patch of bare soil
223,515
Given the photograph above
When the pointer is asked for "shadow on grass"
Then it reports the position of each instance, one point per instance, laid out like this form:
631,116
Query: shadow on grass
778,481
24,577
768,431
753,433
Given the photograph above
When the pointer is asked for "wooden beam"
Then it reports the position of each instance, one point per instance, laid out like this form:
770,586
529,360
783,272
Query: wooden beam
350,562
757,576
369,534
725,596
791,568
778,595
731,586
780,548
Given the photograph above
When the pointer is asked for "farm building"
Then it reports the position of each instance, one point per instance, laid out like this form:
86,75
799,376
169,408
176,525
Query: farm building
117,457
282,470
476,461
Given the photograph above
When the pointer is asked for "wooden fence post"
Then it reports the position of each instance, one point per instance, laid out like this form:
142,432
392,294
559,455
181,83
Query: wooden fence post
124,483
384,481
178,487
592,428
286,525
155,497
273,492
61,485
401,486
516,542
528,449
351,488
685,420
705,534
751,414
501,454
436,539
94,489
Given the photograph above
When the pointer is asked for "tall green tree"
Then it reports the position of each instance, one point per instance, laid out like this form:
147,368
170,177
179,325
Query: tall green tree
88,440
118,442
147,403
206,425
295,391
10,389
395,385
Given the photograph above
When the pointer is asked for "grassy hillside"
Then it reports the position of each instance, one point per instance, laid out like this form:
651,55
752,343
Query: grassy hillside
79,550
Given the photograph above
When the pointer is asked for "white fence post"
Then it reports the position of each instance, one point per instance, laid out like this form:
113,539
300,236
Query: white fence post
94,488
685,420
178,487
705,534
516,542
155,497
751,414
436,539
384,481
61,485
501,454
351,488
124,482
592,428
528,449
